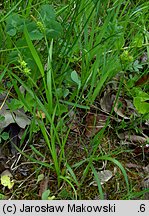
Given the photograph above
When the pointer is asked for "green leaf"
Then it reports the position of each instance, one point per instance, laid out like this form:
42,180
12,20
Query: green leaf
33,31
6,179
137,66
12,32
2,196
51,198
119,42
30,100
34,52
13,57
53,29
15,104
138,40
5,136
48,17
61,109
45,195
75,78
47,13
98,182
140,100
141,106
40,177
14,24
60,92
2,118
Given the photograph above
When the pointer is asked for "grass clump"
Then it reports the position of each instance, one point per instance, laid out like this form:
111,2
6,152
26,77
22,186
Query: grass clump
58,59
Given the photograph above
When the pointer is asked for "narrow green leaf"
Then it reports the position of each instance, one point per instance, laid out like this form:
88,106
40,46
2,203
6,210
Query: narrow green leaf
98,182
121,168
34,52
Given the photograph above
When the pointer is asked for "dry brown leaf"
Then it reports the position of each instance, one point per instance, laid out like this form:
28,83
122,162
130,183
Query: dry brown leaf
146,169
120,108
94,123
138,150
142,80
104,176
132,165
40,114
132,138
144,57
106,102
17,116
145,185
123,107
73,121
135,138
43,186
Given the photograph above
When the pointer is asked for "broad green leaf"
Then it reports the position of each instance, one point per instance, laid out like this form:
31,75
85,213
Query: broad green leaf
75,78
140,100
141,106
12,32
48,18
47,12
14,24
33,31
137,92
15,104
5,136
45,195
6,181
53,29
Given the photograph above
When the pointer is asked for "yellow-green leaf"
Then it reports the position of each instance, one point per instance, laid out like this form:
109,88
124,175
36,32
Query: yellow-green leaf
6,179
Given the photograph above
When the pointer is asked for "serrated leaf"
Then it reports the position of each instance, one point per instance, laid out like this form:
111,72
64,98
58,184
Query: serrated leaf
139,93
137,66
